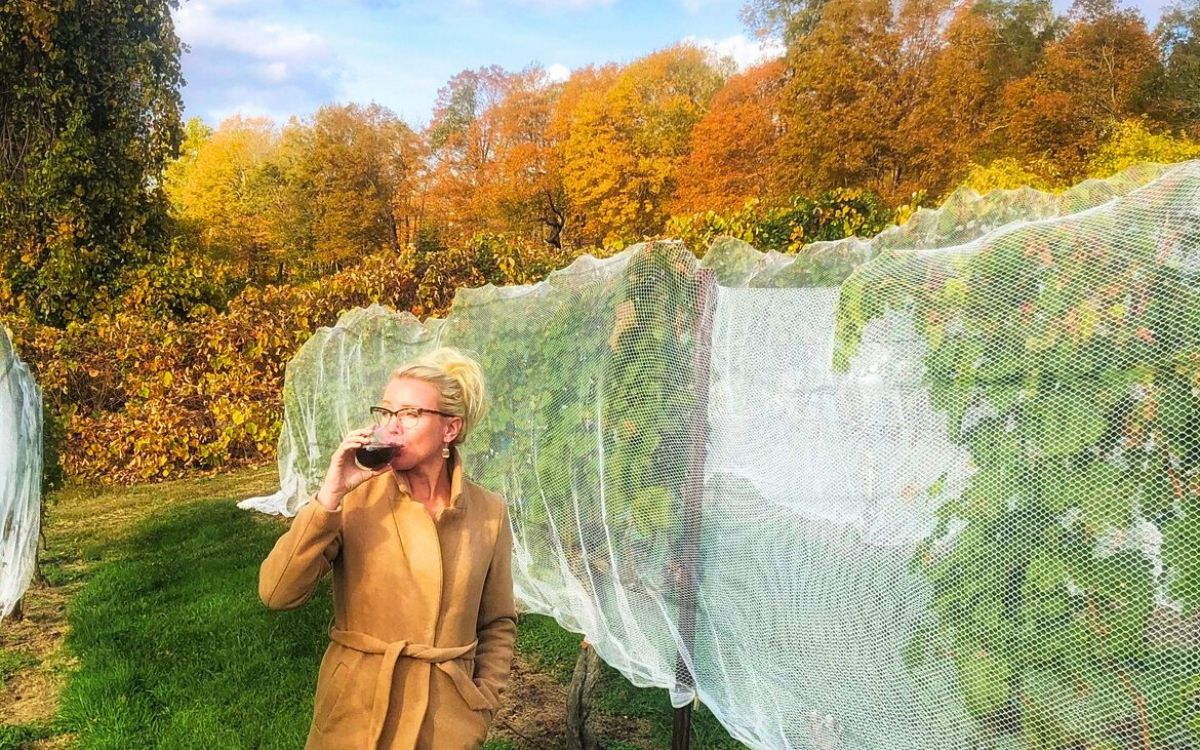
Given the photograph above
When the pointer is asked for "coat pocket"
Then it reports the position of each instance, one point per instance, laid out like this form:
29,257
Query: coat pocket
461,679
477,692
477,695
329,692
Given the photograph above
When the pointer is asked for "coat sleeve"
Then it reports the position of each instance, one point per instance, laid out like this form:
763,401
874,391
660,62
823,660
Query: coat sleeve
301,556
497,626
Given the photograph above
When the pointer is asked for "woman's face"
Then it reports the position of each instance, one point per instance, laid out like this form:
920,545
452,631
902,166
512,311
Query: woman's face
424,441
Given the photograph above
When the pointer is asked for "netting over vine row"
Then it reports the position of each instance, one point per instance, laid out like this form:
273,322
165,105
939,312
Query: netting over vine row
20,475
935,489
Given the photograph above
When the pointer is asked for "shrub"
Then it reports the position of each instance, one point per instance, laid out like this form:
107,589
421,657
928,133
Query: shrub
786,228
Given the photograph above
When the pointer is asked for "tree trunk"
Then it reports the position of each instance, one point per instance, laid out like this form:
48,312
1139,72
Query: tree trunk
579,699
555,220
395,231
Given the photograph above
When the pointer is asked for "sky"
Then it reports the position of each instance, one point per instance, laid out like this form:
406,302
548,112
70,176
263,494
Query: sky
288,57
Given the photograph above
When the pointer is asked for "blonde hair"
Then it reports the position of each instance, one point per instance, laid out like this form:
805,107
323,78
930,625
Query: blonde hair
459,380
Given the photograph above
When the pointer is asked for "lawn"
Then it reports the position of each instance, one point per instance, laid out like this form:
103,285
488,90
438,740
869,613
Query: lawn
147,632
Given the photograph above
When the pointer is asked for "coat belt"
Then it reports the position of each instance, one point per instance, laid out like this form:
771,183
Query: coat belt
444,658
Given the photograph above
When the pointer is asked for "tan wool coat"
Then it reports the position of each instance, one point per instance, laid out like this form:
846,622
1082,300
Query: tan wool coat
424,619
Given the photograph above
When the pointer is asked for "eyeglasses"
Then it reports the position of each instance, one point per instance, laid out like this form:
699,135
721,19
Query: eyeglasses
409,416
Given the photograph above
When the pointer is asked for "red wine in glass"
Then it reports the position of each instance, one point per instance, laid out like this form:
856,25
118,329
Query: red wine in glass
374,456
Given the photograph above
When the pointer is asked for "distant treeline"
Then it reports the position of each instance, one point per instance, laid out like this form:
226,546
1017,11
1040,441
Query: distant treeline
158,275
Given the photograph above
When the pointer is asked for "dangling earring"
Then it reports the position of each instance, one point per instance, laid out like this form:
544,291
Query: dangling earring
446,451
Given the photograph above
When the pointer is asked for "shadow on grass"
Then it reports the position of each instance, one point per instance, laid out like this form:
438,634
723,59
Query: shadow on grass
177,651
616,695
552,650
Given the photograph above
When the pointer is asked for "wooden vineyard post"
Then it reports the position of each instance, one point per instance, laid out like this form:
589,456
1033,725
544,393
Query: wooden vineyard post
693,489
579,699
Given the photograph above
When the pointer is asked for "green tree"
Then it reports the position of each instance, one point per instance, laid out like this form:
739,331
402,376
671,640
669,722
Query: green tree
788,20
196,134
89,115
1022,29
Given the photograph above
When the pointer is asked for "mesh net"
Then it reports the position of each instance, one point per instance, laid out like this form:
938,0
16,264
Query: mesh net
933,489
20,475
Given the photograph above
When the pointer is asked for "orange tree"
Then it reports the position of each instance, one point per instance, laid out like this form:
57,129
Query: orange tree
731,154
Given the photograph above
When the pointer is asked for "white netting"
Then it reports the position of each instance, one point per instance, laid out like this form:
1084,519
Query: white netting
20,475
935,489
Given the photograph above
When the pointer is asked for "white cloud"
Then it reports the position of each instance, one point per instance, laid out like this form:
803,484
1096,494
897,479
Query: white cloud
558,72
201,24
242,60
744,52
275,72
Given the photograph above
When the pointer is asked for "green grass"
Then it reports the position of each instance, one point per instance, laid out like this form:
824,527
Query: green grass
547,646
13,661
23,736
174,649
616,695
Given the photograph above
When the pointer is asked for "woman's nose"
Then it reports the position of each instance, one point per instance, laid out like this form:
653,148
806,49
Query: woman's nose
393,427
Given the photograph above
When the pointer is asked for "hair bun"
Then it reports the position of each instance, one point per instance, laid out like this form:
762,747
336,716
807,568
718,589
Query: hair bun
459,379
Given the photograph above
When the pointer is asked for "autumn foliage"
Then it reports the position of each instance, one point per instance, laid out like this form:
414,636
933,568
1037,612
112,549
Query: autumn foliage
732,148
901,99
140,395
159,322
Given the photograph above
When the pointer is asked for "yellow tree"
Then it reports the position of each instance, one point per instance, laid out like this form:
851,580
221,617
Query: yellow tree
290,205
584,85
625,144
219,189
343,178
1131,142
362,162
731,156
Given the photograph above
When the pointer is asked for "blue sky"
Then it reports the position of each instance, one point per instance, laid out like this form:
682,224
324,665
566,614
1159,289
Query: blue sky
284,57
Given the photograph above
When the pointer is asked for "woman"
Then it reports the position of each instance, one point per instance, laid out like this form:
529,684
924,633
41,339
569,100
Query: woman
424,620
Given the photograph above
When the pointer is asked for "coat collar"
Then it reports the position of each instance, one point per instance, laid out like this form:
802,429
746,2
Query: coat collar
457,503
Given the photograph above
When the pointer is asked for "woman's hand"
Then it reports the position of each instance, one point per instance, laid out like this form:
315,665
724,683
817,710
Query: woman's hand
344,474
